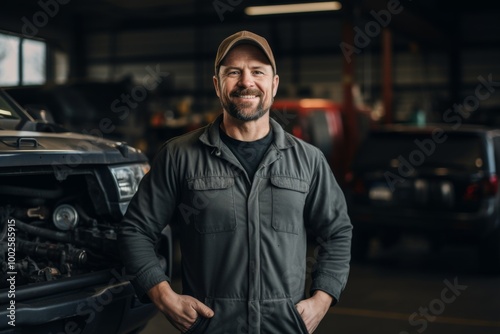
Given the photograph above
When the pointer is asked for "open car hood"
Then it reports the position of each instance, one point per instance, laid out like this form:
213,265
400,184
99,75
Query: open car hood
35,148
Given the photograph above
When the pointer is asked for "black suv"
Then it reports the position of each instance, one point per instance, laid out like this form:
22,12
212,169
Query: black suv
438,181
62,197
104,109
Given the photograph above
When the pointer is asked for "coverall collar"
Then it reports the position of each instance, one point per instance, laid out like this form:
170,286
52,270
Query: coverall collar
211,136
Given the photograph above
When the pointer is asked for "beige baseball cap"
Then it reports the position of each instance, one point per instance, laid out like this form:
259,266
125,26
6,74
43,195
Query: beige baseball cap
243,37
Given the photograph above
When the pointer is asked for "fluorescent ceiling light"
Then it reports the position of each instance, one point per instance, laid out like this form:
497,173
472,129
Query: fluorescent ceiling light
294,8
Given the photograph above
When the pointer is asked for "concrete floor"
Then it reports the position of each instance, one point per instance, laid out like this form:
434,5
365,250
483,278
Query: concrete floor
406,289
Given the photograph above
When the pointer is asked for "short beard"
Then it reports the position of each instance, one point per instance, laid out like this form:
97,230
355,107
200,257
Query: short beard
236,110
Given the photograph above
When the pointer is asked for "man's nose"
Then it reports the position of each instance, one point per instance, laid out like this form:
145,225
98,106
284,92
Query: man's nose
246,79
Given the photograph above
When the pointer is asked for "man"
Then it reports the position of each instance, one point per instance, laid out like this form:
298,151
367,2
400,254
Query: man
242,194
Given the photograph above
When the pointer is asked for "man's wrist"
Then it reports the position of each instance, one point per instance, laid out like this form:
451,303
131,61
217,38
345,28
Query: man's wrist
323,297
162,288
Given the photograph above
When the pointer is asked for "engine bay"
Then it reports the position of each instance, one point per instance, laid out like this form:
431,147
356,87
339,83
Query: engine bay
60,227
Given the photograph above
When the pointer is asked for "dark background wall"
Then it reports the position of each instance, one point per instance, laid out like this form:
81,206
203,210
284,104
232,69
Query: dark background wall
437,49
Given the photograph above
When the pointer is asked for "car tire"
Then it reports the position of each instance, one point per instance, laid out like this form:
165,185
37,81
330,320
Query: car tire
319,133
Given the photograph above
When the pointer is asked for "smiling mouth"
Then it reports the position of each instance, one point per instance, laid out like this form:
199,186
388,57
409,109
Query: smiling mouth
246,96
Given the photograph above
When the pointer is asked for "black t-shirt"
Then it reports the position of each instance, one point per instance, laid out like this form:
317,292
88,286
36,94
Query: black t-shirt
249,153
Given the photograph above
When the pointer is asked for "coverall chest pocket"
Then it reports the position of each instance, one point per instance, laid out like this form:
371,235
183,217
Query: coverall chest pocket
212,204
288,196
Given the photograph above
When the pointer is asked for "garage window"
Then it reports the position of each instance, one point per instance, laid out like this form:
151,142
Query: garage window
22,61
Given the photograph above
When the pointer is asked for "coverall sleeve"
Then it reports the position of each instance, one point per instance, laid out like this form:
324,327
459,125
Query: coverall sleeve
327,219
149,211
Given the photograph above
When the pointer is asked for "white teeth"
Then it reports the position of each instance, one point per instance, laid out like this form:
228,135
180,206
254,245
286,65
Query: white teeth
247,96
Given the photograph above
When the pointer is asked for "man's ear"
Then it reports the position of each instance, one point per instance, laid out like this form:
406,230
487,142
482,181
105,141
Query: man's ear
216,85
276,81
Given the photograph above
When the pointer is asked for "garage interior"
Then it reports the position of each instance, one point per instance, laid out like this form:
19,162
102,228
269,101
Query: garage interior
426,55
384,61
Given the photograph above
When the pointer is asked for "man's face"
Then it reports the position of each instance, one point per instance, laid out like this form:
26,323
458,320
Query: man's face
246,84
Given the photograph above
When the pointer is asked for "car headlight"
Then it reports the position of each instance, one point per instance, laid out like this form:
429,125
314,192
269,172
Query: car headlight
127,178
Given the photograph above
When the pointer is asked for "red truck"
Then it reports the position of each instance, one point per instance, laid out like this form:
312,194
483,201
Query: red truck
316,121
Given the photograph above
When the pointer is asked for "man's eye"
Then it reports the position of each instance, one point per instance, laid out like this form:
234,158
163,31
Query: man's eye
233,73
